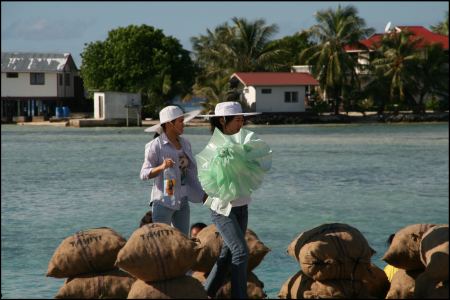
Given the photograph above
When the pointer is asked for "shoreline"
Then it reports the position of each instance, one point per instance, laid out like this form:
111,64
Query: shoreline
268,119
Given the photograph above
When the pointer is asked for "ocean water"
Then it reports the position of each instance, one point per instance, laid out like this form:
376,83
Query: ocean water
376,177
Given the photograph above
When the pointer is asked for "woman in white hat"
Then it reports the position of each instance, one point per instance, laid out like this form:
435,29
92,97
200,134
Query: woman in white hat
171,150
230,168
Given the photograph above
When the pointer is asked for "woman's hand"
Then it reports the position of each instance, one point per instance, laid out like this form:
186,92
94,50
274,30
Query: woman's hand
167,163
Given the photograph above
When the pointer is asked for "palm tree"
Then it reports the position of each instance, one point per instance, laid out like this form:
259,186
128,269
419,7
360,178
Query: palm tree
431,76
245,46
397,62
333,66
441,27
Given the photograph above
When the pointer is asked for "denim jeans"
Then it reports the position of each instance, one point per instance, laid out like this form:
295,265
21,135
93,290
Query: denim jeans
234,253
177,218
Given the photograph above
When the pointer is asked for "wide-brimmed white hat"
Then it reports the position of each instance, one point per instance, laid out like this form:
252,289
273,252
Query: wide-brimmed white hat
170,113
229,108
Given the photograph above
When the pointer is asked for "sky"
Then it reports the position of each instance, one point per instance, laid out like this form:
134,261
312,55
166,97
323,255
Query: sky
65,26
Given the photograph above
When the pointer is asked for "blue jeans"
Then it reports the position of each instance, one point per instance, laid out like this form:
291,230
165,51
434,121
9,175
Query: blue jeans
234,253
177,218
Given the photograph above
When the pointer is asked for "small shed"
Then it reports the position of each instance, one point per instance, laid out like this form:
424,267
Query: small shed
117,105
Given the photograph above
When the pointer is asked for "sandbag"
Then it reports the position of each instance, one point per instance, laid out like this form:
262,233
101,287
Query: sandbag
332,251
255,288
184,287
376,282
426,288
301,286
434,252
86,252
113,285
200,276
402,284
404,250
211,244
157,251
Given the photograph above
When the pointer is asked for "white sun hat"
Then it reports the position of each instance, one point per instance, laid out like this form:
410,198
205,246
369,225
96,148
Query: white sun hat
229,108
170,113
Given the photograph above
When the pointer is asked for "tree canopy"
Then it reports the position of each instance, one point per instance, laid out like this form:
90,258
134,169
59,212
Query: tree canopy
138,59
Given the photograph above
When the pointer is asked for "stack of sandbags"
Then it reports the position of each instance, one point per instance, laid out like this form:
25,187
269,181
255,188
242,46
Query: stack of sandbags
159,256
211,243
335,263
404,254
87,259
433,281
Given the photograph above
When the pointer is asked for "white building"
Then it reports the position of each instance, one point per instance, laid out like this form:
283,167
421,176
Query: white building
275,91
117,106
34,84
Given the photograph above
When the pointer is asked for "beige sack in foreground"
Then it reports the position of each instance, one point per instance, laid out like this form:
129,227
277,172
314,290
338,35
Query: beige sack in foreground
402,284
404,250
332,251
211,243
157,251
184,287
108,285
88,251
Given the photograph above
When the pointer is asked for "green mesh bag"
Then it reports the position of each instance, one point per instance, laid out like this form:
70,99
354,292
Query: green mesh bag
233,166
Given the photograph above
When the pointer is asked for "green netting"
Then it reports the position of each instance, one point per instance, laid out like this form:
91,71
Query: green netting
233,166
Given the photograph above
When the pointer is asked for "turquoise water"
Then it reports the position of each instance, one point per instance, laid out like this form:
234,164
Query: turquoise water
56,181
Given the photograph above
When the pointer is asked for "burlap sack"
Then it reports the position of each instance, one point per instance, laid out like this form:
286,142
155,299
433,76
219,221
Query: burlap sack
255,288
332,251
200,276
402,284
376,282
426,288
212,242
404,250
295,286
88,251
157,251
257,249
434,252
184,287
109,285
301,286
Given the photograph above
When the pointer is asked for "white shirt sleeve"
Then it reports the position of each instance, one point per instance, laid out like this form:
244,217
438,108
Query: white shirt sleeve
150,160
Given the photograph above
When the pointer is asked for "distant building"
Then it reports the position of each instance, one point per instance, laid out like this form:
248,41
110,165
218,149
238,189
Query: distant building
117,106
34,84
274,92
366,47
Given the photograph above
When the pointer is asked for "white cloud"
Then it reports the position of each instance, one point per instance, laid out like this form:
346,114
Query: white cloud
46,29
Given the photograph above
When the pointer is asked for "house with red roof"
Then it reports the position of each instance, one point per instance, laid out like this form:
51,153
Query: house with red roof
369,45
274,91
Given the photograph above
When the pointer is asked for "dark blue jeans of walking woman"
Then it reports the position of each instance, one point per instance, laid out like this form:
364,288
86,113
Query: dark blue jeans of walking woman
234,253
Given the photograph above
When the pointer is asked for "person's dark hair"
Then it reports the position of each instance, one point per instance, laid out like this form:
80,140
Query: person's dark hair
147,219
163,127
198,225
215,122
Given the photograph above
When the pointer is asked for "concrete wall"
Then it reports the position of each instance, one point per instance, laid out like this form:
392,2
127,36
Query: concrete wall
274,102
113,105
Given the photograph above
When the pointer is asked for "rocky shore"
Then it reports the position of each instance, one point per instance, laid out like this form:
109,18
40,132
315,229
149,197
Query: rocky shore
305,118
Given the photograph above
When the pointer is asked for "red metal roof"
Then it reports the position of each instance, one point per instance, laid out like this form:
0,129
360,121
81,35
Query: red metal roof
429,37
275,78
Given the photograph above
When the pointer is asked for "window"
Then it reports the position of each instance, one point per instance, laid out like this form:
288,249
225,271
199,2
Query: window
60,79
37,78
67,79
266,91
291,97
12,75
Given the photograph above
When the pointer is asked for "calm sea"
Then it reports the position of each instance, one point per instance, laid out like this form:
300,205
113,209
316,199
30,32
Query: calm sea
56,181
